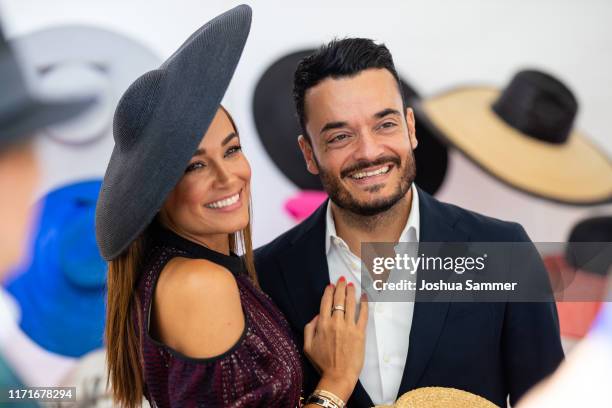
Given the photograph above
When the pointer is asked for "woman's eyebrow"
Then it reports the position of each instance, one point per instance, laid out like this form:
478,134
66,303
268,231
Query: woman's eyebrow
225,141
228,138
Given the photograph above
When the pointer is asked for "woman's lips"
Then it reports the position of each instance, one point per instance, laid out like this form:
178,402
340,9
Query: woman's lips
226,204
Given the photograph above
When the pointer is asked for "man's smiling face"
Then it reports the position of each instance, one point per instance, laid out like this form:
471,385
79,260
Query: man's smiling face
361,140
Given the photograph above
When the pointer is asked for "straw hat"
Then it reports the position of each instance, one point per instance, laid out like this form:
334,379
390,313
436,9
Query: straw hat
524,136
439,397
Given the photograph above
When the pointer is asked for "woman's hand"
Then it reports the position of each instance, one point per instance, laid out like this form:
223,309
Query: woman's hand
335,339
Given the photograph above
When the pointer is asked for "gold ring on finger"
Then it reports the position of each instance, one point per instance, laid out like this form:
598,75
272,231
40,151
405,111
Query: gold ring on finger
339,307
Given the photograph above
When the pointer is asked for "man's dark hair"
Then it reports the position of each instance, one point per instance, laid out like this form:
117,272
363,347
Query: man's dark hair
337,59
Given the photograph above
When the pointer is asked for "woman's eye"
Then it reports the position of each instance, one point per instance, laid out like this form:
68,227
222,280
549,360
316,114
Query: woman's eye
194,166
232,150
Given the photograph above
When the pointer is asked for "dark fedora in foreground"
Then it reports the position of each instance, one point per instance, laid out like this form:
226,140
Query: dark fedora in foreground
159,123
524,135
22,112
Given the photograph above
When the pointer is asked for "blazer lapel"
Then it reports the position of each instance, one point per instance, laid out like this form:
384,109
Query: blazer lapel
429,317
304,266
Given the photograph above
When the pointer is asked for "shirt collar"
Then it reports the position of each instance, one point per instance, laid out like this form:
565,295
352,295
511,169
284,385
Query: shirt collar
409,234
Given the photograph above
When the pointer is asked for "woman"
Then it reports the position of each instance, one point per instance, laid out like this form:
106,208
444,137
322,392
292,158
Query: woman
186,323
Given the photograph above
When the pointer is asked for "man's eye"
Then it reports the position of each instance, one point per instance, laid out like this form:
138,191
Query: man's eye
387,125
232,150
338,138
194,166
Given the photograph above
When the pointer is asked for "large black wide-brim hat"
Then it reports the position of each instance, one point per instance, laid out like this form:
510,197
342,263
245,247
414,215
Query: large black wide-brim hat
23,112
158,125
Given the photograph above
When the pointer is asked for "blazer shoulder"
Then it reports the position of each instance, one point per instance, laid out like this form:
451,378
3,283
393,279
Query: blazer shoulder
481,227
267,259
314,223
278,244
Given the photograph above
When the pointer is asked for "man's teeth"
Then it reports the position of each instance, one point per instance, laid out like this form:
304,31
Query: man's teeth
224,203
364,174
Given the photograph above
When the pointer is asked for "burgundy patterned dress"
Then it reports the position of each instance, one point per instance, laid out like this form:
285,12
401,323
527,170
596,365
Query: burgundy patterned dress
263,369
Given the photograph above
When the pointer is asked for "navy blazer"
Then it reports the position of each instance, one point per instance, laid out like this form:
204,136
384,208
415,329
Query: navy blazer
494,350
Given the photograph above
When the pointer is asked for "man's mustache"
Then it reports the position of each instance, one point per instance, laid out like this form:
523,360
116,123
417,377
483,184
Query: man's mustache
363,164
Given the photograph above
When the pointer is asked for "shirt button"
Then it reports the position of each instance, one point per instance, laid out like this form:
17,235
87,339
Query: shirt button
386,358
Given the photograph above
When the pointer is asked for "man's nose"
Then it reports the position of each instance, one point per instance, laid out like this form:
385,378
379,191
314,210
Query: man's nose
368,147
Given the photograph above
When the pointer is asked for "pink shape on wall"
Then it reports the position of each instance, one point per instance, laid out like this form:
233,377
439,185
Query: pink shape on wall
304,203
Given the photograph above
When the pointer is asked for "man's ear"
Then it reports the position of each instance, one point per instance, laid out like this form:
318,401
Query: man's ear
308,154
411,128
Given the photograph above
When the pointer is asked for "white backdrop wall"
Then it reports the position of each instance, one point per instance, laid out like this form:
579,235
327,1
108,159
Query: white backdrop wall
436,44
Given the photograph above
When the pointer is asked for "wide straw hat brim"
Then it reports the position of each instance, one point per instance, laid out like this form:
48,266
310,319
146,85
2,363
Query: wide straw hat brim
158,125
440,397
575,172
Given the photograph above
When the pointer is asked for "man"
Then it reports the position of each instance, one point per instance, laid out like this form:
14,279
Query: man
359,138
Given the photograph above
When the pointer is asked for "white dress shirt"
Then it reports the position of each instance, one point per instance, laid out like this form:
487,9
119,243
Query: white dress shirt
389,323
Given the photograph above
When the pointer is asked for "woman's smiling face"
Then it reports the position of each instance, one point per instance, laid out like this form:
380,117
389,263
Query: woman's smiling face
212,198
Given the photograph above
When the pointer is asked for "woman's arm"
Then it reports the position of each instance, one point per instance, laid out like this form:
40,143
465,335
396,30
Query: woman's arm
335,340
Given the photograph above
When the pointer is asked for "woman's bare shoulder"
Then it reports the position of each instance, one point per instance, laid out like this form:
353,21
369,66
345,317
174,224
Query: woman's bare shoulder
197,308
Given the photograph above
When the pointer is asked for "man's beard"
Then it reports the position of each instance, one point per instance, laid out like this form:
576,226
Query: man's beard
343,198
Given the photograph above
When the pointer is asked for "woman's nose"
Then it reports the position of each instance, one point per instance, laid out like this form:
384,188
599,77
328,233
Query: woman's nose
223,174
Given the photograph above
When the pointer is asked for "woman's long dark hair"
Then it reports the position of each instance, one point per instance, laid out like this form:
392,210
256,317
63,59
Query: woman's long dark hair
124,318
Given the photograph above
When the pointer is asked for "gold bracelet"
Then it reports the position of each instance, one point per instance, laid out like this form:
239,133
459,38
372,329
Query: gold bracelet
330,395
324,402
